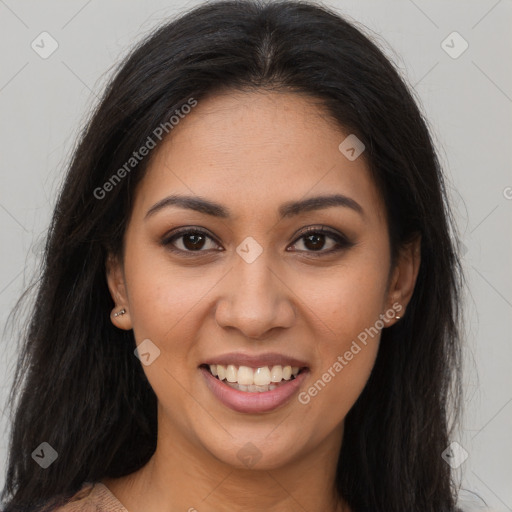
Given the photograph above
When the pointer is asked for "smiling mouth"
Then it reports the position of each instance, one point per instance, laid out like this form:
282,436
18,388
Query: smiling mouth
254,380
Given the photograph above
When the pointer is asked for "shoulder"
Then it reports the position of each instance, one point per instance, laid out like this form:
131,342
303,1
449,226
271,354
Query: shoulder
92,497
80,501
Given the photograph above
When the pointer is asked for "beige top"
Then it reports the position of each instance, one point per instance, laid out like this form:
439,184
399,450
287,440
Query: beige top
93,497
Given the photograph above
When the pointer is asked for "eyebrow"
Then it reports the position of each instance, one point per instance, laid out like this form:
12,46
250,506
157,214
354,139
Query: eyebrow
288,209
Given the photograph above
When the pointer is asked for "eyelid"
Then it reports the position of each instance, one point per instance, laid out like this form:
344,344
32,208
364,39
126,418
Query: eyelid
177,233
320,229
342,241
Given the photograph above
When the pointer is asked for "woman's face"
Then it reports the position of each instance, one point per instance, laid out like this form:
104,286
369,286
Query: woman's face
252,288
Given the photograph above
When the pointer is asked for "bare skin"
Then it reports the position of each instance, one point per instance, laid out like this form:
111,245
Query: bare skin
252,152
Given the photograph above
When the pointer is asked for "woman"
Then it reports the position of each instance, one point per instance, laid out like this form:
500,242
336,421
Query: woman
250,294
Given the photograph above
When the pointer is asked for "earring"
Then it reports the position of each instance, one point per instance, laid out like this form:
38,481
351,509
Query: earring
119,313
398,317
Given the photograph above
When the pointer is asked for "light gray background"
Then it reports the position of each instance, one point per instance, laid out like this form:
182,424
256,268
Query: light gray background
468,101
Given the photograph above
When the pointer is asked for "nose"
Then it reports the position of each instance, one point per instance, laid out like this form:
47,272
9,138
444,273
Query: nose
255,299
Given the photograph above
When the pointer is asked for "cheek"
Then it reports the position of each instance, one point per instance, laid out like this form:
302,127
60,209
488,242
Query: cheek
347,298
164,302
344,361
345,308
160,294
165,307
333,391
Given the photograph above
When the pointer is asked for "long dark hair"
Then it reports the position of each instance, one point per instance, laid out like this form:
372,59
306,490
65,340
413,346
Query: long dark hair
78,385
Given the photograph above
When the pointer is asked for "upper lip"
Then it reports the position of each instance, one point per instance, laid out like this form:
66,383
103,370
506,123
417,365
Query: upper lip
255,361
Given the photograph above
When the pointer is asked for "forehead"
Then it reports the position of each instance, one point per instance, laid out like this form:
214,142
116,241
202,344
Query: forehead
251,150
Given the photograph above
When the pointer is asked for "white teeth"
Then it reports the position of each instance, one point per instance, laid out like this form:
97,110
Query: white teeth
250,379
231,373
262,376
252,388
287,372
276,374
245,375
221,372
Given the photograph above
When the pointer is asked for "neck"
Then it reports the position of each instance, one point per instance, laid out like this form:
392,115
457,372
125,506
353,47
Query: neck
185,477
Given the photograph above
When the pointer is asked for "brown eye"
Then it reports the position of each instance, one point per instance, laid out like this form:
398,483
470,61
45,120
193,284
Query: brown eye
193,241
322,241
315,242
190,240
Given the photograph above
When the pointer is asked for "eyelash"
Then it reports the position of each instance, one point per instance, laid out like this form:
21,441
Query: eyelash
341,241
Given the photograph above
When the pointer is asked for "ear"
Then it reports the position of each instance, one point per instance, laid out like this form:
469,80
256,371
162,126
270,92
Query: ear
403,278
117,286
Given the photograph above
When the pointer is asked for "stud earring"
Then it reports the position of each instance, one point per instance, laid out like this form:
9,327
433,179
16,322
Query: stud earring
119,313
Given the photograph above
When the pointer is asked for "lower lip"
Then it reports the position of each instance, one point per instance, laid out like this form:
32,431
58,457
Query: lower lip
248,402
